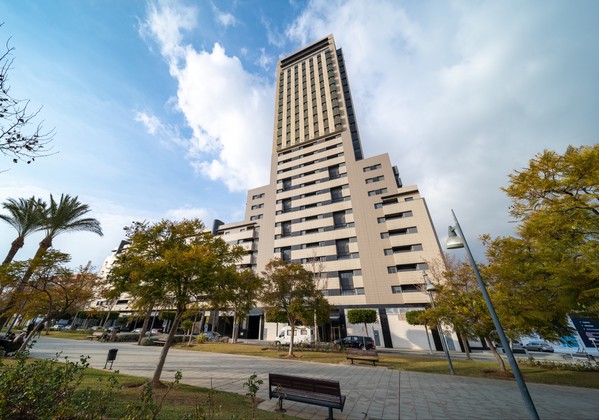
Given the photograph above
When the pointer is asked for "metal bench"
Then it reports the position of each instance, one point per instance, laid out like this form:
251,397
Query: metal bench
367,355
322,392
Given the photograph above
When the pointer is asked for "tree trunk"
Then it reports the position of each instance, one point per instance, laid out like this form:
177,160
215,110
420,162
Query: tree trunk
316,335
235,328
144,326
14,248
497,356
430,348
290,354
33,333
158,372
466,345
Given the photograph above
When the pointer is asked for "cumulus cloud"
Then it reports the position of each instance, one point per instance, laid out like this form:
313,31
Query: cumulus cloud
227,108
462,94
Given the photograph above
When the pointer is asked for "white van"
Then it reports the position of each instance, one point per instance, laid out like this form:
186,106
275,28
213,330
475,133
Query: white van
302,335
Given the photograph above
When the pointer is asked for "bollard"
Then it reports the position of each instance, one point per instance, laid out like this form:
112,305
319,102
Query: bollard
111,357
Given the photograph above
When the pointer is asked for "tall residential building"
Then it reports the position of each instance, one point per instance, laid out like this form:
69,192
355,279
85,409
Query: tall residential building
333,210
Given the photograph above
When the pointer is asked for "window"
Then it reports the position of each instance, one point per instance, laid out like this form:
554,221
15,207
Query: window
375,179
286,253
336,194
334,172
346,280
403,248
342,246
257,196
372,168
286,184
257,206
286,228
395,289
256,217
339,219
286,204
377,192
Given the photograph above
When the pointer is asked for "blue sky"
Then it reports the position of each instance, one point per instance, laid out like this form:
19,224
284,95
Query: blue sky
163,109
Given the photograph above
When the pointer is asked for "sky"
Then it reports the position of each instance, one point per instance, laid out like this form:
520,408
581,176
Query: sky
164,109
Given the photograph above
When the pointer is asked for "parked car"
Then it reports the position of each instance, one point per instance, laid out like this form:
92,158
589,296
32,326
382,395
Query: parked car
118,329
356,342
212,336
539,346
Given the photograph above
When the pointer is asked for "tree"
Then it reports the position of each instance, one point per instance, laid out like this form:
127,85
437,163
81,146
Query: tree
244,288
181,259
15,117
66,215
362,316
53,290
286,288
550,269
321,309
459,303
25,216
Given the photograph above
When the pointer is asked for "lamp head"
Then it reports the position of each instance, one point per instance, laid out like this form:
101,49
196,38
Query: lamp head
453,240
429,286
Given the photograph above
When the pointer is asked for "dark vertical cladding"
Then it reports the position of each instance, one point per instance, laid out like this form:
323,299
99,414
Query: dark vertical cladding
351,117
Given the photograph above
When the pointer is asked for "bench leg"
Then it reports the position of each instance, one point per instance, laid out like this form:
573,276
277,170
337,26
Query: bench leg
330,414
280,408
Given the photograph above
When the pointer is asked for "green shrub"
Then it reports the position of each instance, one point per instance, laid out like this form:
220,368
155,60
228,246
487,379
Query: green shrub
45,389
128,336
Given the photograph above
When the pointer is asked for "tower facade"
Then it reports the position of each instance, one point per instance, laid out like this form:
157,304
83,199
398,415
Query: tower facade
343,216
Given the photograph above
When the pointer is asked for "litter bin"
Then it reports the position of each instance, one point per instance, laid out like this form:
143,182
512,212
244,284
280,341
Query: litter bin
111,357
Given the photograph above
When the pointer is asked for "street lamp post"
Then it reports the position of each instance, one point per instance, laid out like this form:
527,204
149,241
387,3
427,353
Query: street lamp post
430,288
453,242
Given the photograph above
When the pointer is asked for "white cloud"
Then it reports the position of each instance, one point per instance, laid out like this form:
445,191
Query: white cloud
150,122
462,94
227,109
165,22
265,60
223,18
189,213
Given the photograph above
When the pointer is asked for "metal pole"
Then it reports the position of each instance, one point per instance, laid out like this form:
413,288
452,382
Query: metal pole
504,342
442,336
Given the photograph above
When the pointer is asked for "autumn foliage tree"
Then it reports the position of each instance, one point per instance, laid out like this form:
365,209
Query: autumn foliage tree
550,269
182,260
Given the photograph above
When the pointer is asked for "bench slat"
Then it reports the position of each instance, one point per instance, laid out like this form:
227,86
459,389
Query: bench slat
323,392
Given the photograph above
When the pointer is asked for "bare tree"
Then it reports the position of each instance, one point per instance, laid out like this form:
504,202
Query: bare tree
15,117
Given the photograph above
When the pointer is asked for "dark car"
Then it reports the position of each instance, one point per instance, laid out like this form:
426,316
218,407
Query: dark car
356,342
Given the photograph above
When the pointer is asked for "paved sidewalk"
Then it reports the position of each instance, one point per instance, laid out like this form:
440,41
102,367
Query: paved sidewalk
372,392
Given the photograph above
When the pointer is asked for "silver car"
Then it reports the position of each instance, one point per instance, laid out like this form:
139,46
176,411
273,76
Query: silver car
538,346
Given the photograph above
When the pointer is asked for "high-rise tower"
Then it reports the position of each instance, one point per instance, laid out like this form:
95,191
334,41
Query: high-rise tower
329,208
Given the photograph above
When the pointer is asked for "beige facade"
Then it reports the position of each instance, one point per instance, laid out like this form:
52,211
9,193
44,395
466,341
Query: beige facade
326,206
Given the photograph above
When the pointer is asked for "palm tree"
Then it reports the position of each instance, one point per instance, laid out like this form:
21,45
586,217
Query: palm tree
66,215
26,216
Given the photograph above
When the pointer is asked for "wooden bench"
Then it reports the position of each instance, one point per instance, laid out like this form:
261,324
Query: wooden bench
98,335
322,392
367,355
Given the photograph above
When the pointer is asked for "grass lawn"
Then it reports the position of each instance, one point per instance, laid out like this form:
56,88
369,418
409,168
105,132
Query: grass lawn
481,369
